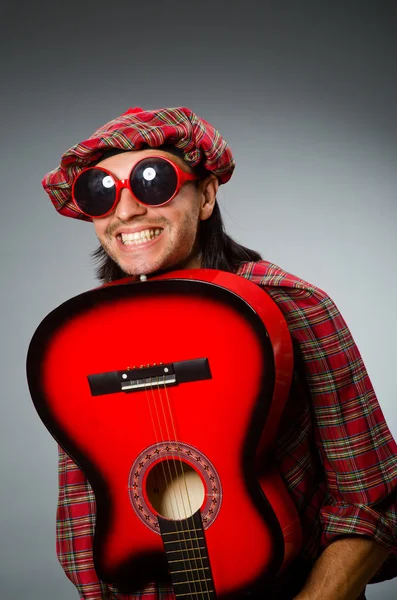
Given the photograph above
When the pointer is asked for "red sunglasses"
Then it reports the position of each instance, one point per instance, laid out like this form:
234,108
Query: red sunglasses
153,181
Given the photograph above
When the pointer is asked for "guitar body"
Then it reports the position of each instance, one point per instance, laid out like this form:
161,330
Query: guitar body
168,394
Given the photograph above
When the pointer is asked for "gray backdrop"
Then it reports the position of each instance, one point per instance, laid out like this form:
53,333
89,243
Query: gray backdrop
304,92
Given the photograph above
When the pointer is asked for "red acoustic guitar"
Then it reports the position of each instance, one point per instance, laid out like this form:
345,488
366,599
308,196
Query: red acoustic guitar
168,394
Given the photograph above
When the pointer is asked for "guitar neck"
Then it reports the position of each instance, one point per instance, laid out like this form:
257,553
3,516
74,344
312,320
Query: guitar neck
187,557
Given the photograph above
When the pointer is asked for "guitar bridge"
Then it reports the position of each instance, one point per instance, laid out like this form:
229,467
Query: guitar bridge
147,382
133,380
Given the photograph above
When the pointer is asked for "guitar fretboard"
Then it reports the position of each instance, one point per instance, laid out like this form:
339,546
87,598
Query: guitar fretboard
187,557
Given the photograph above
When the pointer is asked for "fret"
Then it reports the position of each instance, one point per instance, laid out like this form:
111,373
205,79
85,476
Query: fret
177,531
187,549
190,570
193,581
183,560
204,593
183,540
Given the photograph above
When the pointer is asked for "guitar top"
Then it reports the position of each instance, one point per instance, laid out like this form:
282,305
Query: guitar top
167,394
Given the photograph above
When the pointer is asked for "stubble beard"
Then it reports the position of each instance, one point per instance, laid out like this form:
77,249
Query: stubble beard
176,255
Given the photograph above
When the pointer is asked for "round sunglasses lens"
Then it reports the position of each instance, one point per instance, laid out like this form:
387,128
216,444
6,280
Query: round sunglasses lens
153,181
94,192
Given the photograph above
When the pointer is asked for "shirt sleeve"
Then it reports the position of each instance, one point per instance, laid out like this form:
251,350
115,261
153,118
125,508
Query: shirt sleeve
356,448
75,537
75,530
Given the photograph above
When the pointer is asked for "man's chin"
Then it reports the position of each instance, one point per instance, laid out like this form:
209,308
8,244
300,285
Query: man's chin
152,267
140,269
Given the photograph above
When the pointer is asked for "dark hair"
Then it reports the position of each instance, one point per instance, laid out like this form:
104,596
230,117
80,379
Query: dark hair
218,249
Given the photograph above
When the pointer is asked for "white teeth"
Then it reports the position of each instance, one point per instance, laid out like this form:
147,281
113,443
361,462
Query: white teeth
140,237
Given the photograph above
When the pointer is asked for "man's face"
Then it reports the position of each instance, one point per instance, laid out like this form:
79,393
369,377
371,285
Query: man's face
167,235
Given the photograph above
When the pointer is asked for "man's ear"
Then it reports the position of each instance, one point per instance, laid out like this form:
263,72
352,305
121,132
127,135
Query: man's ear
207,189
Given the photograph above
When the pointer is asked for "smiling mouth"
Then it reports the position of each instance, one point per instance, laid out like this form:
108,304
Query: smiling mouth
141,237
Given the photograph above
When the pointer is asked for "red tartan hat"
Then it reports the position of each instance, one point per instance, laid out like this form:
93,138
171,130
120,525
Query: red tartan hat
199,142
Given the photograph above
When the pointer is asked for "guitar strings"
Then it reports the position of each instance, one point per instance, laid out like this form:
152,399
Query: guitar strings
184,539
188,497
189,531
158,439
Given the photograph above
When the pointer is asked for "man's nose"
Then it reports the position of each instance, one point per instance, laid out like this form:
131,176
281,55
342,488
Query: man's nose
127,207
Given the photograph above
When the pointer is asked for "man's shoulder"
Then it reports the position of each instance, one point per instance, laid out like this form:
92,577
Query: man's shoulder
303,304
269,275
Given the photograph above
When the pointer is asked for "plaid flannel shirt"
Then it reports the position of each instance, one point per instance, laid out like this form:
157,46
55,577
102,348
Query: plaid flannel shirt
333,449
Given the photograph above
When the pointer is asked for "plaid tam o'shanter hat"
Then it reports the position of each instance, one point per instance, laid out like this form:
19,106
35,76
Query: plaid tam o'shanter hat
135,129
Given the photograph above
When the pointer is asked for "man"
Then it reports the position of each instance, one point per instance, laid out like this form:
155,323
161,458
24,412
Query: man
333,448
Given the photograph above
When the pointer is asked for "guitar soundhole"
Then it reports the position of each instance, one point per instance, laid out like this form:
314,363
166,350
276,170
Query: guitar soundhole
174,480
174,489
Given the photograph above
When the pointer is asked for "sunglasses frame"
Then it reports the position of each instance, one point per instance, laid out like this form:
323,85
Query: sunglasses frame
182,178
